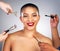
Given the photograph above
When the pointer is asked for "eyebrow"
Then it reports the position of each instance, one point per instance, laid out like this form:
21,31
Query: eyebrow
27,13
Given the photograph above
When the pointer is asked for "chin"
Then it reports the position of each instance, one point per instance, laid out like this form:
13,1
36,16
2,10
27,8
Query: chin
31,28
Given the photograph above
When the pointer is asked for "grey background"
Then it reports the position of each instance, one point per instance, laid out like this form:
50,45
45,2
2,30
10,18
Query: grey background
45,7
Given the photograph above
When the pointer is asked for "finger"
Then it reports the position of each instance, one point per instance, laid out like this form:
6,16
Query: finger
5,10
10,8
3,33
57,18
5,36
52,16
41,44
9,11
51,20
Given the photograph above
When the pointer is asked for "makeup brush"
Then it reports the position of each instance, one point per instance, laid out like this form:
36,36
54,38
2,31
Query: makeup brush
37,39
11,28
14,12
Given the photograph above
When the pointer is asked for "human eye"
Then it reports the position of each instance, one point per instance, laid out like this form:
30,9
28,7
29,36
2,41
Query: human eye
24,16
34,15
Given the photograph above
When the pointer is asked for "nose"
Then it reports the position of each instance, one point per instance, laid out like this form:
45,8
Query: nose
30,18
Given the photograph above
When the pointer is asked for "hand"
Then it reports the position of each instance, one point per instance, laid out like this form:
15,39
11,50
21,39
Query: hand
5,7
54,21
3,36
46,47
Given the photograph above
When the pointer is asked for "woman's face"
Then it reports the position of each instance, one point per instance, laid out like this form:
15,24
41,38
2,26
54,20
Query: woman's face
29,17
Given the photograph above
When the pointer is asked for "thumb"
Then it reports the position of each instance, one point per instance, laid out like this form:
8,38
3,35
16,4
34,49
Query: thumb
5,36
3,33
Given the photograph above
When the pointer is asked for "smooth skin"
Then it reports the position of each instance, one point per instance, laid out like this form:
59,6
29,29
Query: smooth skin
23,40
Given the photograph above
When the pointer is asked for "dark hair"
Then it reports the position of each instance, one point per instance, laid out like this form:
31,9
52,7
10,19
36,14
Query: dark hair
29,5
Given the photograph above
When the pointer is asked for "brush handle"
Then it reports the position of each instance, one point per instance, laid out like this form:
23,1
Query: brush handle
50,16
7,31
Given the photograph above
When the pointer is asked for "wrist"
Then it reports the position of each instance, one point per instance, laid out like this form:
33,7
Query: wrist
54,31
53,28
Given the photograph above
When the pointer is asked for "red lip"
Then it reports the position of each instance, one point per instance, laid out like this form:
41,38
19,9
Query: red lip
30,23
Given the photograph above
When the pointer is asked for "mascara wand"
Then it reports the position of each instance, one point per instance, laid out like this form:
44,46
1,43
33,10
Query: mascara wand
50,16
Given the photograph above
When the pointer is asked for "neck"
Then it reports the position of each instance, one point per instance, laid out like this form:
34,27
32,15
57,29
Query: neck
29,33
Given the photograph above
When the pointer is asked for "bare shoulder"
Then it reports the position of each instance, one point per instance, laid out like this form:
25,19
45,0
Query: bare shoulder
14,35
10,39
43,38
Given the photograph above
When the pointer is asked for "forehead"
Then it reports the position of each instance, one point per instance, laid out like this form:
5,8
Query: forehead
29,10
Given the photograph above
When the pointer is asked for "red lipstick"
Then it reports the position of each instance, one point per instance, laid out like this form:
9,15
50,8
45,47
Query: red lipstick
30,23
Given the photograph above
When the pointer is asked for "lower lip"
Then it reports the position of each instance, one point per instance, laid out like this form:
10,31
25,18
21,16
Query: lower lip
30,24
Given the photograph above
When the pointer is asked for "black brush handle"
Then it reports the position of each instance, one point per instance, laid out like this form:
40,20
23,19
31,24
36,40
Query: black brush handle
50,16
7,31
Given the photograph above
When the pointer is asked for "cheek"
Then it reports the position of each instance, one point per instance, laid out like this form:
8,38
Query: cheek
36,19
24,21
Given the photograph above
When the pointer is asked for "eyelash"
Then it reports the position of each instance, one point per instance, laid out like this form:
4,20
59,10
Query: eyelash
25,16
32,15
